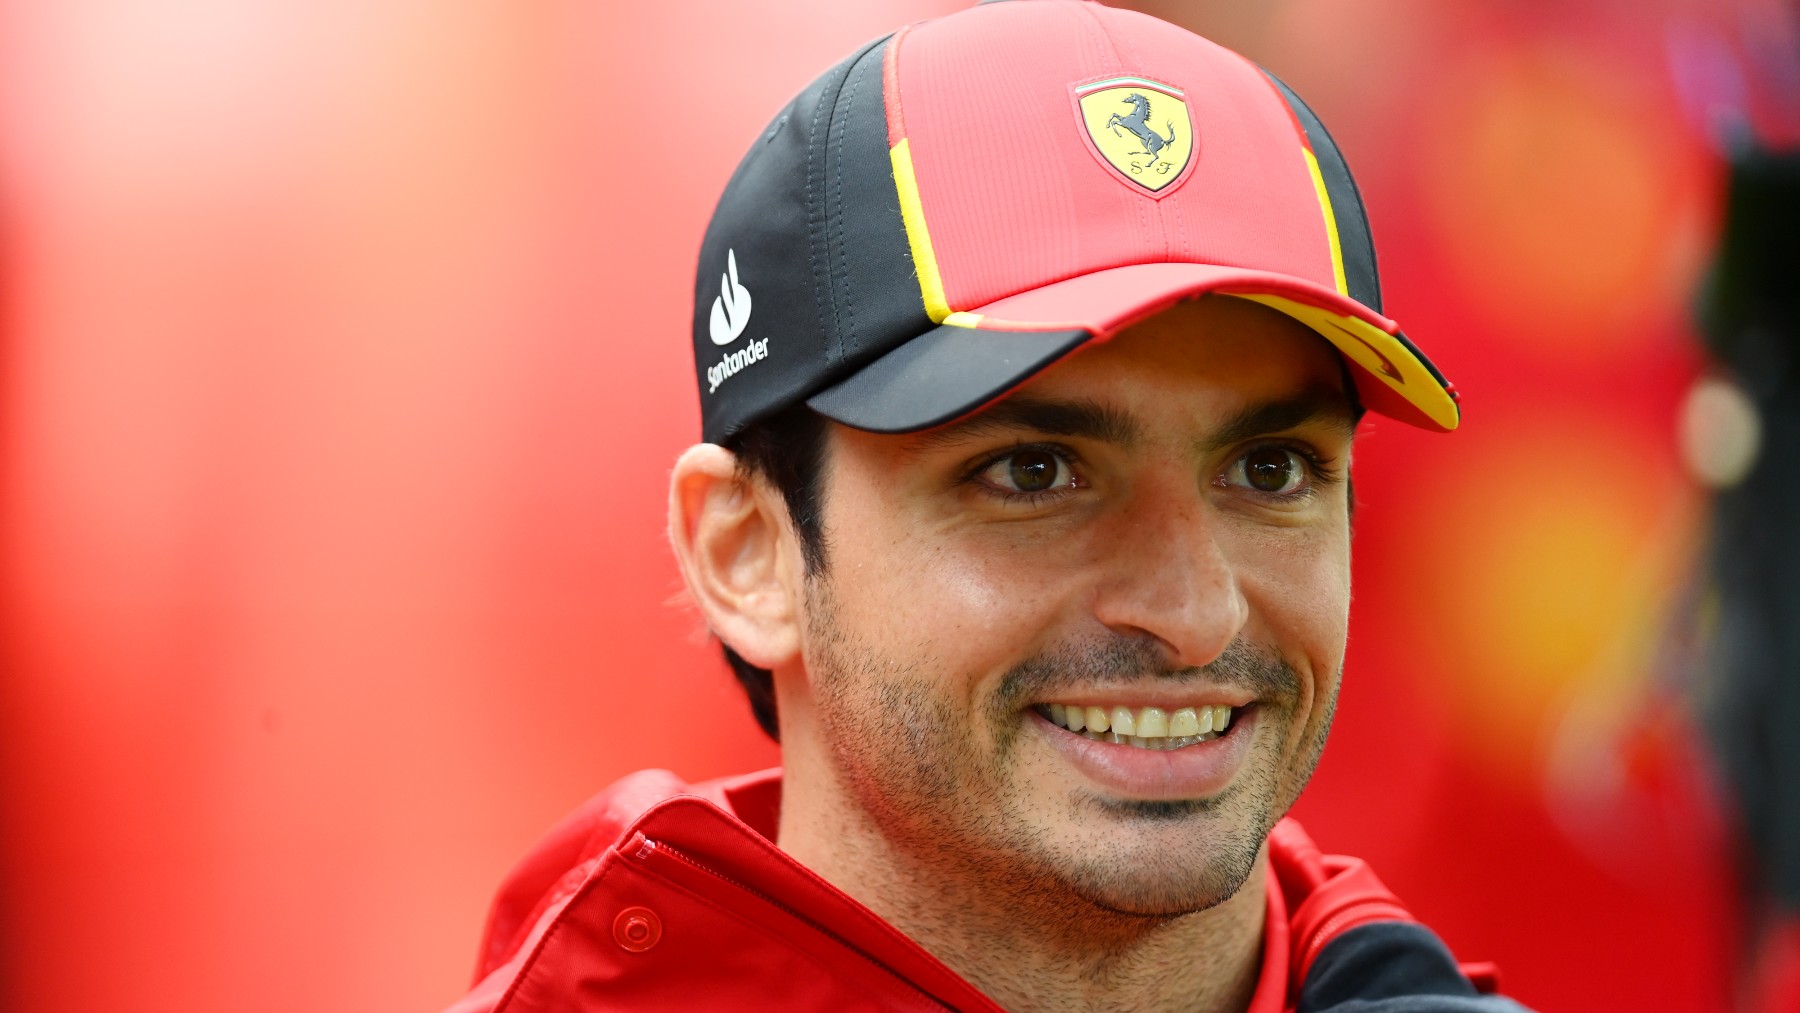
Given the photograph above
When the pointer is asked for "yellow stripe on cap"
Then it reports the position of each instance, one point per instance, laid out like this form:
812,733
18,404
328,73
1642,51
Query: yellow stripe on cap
1377,353
1331,232
931,286
960,319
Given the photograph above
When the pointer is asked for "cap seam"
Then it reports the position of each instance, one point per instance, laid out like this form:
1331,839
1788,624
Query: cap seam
816,217
1124,59
1095,30
847,328
893,104
890,80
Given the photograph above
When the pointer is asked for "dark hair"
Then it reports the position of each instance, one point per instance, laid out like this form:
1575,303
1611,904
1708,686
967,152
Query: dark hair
787,450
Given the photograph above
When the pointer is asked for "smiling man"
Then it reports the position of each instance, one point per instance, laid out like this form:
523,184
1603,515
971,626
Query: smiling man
1031,345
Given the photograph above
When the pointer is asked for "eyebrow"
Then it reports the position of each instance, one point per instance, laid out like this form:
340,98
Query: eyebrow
1326,405
1051,416
1093,420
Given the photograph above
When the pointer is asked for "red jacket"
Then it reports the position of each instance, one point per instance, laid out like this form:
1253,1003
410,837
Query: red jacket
660,895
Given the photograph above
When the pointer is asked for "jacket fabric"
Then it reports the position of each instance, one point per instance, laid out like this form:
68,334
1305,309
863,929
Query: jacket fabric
661,895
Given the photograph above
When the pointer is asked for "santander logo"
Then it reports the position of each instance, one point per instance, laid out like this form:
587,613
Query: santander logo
731,310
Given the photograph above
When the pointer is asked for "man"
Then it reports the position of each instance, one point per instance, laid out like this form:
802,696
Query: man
1031,343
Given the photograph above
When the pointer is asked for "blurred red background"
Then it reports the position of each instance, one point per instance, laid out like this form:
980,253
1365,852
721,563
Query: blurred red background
346,354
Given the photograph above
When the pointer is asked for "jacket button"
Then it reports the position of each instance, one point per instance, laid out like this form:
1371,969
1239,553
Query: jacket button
637,929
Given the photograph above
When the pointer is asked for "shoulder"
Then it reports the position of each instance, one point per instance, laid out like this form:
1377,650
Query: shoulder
1355,948
555,864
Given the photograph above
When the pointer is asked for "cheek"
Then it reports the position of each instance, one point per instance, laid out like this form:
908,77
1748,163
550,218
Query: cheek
1297,583
963,602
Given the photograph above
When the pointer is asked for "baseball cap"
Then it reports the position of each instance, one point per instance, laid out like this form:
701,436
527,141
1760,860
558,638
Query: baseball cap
960,204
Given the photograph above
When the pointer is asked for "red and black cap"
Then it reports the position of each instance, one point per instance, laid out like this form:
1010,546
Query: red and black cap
962,203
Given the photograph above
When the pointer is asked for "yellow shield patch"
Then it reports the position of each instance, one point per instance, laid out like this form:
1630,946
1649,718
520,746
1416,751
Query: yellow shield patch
1138,127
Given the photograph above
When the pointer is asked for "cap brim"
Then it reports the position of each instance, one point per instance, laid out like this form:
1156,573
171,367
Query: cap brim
976,357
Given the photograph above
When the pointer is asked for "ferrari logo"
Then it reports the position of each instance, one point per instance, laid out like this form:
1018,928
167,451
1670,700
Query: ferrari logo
1138,127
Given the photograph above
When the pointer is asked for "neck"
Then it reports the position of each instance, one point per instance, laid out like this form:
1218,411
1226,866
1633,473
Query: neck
1035,947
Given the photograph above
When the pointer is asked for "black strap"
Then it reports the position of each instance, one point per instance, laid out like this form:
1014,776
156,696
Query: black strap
1392,967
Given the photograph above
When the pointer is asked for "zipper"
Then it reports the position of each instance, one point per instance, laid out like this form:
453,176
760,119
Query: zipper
644,850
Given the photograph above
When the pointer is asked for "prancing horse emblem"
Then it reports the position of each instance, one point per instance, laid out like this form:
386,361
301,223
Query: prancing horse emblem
1152,141
1140,129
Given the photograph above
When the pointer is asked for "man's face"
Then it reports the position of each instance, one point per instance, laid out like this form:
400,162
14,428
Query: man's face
1155,527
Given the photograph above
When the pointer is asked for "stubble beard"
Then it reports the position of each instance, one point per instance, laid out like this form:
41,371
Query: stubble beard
936,778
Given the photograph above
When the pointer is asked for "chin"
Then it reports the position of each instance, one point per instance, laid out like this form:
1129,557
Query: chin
1162,874
1202,886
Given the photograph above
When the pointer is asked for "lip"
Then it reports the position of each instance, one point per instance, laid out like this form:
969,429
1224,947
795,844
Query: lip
1153,775
1170,702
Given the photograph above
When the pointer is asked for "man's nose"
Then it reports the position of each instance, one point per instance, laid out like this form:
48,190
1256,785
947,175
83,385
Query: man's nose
1168,576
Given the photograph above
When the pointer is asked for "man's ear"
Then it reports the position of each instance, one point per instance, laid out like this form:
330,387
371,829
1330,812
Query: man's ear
741,562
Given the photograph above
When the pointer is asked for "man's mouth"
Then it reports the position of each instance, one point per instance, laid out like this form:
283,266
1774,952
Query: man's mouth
1143,727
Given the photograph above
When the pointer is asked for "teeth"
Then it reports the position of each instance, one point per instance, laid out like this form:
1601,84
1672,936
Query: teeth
1182,722
1145,728
1152,722
1123,721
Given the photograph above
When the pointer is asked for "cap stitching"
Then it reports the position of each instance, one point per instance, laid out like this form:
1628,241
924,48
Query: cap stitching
1109,53
814,213
1175,211
890,80
1094,30
1126,62
893,106
849,294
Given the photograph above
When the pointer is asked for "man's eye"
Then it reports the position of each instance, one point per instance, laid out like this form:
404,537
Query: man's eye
1029,471
1273,470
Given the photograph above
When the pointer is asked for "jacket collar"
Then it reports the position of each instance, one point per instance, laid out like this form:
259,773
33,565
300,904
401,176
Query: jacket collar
731,824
